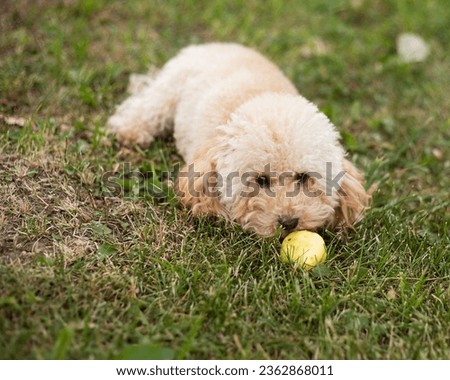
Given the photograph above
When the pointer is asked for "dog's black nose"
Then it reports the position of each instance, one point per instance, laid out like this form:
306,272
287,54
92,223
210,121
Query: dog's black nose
288,222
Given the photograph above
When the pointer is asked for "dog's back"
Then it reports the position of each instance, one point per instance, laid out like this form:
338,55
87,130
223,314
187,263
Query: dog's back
213,80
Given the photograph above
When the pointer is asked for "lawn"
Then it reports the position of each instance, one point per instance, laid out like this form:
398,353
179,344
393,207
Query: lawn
87,271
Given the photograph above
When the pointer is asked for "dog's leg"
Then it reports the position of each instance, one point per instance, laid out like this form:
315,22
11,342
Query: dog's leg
147,113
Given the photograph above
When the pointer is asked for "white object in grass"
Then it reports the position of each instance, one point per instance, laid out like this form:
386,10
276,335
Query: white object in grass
412,48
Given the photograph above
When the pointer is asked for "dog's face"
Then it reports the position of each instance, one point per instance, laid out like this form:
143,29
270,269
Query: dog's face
276,164
268,197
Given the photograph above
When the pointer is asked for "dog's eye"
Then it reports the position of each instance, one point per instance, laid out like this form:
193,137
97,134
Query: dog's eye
302,178
263,181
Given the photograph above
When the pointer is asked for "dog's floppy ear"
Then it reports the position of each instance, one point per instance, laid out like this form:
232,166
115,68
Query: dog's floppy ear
196,186
353,198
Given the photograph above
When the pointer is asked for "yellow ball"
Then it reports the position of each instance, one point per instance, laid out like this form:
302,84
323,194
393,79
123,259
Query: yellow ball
303,248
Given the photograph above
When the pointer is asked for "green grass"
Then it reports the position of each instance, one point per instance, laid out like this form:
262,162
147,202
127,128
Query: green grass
86,273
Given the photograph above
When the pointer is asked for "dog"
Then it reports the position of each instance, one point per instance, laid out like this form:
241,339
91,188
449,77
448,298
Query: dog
256,152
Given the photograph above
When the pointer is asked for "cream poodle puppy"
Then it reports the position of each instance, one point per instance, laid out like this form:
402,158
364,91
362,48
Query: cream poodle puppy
256,152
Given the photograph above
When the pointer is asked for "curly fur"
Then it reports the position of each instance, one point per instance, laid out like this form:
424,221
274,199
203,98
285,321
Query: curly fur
235,117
